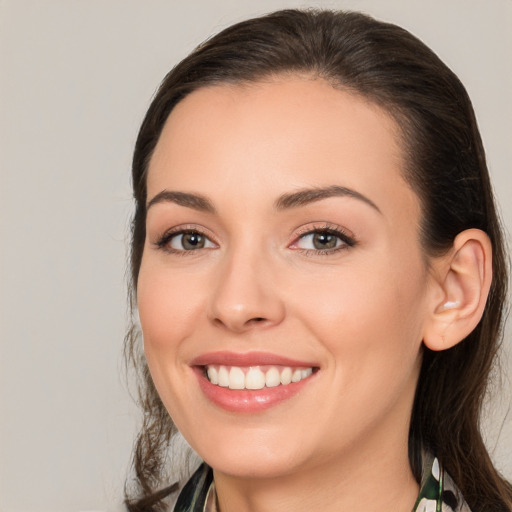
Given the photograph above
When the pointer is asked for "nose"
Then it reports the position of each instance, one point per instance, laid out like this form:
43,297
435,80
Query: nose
246,294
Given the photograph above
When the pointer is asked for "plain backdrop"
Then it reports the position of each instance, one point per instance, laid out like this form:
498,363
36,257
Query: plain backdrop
76,77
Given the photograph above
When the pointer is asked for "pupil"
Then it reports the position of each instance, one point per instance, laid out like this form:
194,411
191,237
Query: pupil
192,241
324,241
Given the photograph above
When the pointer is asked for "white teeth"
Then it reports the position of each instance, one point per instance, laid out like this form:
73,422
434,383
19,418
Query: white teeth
306,373
272,378
236,378
255,377
223,377
286,376
213,376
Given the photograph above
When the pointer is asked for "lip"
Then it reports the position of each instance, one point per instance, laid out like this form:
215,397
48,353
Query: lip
248,359
244,400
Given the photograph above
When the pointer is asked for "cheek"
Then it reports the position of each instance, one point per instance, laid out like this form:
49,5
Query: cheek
369,317
168,304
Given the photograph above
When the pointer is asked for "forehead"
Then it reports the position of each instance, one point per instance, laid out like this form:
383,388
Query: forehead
275,135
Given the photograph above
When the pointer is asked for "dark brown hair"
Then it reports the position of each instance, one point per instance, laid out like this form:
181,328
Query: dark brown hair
445,165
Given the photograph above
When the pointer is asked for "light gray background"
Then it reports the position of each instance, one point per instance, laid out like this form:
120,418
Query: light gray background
75,80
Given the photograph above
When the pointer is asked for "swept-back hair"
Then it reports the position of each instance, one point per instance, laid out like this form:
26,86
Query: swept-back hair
444,163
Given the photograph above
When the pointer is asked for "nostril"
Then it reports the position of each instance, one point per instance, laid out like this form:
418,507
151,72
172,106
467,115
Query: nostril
256,320
248,323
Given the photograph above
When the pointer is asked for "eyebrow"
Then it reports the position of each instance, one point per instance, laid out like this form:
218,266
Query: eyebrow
310,195
195,201
291,200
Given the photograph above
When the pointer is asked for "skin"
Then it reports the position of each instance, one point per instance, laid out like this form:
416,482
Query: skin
359,313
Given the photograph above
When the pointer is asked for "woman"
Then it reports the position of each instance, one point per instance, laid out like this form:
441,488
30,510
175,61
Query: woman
319,273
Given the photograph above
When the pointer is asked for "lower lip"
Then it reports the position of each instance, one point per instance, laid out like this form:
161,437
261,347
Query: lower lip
249,400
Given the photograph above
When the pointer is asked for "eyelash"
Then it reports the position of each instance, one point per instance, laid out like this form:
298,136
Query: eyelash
163,242
347,240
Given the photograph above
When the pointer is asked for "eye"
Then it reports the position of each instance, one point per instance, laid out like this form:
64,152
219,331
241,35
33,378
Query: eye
184,241
323,241
319,241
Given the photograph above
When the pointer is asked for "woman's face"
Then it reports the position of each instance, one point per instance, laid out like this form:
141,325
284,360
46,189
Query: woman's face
283,260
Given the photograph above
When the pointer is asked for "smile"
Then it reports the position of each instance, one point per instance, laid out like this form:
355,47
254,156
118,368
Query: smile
255,377
251,382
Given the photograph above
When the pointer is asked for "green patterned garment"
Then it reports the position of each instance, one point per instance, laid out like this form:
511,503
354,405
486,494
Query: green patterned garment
438,492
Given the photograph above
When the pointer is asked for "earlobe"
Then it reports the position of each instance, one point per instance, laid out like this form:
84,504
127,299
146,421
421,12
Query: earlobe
463,280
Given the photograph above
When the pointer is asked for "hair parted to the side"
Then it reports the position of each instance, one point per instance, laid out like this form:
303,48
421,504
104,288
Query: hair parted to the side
444,164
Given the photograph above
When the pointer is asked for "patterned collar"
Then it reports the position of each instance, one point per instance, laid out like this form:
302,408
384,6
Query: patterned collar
438,492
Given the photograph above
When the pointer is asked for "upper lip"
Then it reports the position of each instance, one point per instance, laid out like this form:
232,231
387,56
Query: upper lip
248,359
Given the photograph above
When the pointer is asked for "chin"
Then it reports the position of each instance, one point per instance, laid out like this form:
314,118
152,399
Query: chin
253,453
252,467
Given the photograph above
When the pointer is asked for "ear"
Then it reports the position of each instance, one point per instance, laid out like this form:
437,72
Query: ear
462,281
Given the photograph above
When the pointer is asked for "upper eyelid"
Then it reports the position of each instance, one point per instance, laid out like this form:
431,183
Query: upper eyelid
324,226
346,236
188,228
162,241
